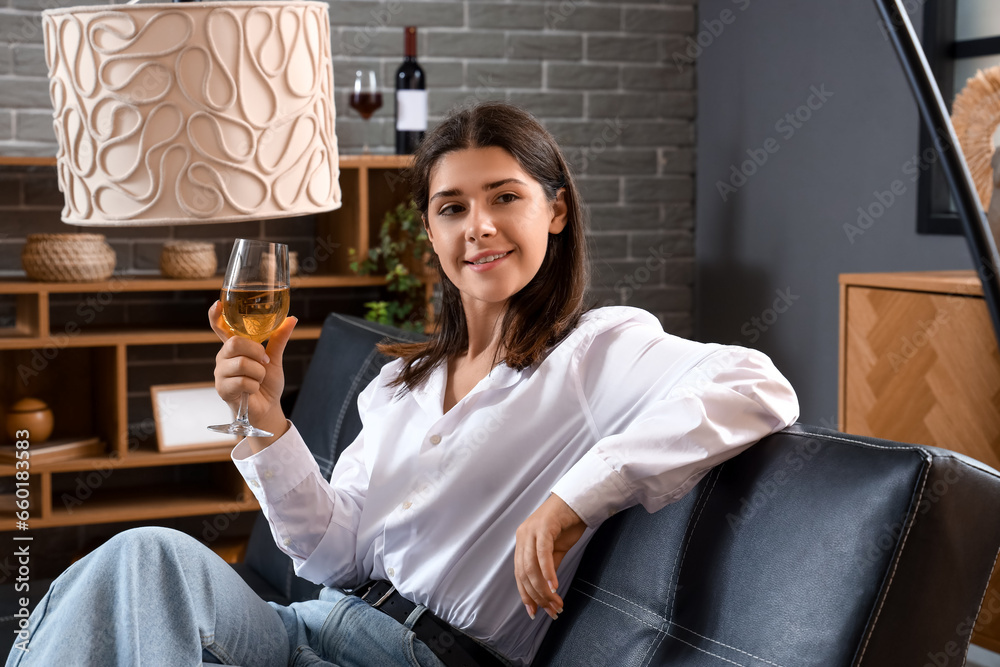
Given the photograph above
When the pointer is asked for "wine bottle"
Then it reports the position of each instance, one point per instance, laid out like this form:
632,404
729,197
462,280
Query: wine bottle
411,98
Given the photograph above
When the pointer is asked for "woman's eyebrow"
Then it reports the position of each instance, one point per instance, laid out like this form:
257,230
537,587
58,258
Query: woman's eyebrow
444,193
486,188
497,184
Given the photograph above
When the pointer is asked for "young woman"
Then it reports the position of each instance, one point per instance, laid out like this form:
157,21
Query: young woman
488,457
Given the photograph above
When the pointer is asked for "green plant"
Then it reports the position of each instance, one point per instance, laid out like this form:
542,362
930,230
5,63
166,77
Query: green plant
401,256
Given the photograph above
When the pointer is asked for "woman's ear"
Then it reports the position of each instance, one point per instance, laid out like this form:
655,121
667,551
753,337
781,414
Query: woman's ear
559,212
427,227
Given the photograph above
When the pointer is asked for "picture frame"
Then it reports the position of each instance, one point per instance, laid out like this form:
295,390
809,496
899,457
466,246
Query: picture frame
182,413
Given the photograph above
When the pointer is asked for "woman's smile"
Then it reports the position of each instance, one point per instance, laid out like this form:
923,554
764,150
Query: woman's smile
485,261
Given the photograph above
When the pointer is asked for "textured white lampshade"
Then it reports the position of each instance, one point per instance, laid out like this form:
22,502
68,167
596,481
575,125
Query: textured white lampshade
198,112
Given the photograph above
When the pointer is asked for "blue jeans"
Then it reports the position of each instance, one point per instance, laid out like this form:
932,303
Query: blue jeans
156,596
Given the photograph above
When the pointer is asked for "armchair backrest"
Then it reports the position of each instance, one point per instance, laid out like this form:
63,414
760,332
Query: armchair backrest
811,548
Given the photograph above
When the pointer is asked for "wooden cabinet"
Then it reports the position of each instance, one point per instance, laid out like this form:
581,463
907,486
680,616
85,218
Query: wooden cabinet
83,373
919,363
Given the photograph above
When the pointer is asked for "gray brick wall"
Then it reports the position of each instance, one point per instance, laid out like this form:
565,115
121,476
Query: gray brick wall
600,75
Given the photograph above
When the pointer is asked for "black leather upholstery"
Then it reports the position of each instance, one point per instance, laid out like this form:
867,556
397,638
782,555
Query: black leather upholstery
810,548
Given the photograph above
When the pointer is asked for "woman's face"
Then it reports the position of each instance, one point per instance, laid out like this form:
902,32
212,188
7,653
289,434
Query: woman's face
489,222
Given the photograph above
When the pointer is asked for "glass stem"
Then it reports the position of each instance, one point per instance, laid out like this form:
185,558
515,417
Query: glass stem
244,414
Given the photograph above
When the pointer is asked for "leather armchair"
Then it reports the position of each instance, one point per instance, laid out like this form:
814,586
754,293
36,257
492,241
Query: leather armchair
811,548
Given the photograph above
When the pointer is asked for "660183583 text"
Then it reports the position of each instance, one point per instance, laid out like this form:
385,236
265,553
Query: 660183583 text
22,551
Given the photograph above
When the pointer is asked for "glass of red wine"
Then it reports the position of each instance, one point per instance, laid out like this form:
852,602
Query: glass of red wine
366,99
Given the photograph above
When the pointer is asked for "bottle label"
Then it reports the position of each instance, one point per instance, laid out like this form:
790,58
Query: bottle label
411,110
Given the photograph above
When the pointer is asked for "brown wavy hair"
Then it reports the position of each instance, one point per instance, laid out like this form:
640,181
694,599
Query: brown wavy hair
549,307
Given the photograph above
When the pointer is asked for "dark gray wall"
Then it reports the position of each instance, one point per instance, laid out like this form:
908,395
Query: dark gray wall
784,228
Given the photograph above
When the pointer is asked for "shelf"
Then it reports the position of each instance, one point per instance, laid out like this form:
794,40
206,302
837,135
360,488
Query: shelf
155,502
139,283
134,459
346,161
26,161
376,161
134,337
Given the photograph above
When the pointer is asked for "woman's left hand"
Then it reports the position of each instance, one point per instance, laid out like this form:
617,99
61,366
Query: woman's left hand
541,543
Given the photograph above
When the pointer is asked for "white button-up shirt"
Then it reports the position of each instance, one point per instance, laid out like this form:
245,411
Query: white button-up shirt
618,414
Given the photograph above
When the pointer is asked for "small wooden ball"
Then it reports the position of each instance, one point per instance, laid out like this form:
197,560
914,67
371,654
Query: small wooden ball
32,415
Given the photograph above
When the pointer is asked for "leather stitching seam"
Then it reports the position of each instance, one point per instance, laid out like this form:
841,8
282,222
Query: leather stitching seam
704,651
895,564
677,625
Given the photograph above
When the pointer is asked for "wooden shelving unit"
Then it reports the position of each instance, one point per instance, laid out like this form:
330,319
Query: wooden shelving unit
87,380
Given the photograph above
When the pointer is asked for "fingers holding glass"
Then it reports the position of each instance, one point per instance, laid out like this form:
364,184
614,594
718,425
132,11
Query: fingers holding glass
254,302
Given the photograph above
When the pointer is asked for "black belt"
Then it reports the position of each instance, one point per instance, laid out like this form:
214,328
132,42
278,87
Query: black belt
454,648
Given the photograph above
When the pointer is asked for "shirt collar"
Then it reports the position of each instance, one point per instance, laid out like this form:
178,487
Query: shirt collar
430,395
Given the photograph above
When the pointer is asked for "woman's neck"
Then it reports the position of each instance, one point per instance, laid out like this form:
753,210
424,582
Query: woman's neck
483,322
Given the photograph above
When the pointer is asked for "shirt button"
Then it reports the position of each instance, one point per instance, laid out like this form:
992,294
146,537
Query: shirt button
288,542
407,505
391,572
435,439
268,474
254,483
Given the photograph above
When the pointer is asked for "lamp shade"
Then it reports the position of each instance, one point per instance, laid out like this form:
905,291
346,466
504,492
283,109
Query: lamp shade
199,112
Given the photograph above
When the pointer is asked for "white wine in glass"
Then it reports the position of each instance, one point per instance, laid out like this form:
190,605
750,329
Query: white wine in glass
255,300
254,312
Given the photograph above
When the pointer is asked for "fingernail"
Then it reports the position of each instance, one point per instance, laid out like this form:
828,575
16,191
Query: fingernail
551,587
551,613
267,359
530,613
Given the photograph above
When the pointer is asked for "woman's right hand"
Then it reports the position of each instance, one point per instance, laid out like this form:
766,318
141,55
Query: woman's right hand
245,366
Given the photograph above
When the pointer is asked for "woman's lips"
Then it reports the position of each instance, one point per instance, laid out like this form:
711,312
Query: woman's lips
488,265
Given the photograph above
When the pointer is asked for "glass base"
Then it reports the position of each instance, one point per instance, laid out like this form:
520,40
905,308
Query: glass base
244,430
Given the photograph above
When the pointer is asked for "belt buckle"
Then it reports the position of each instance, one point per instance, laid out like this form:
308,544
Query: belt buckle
376,605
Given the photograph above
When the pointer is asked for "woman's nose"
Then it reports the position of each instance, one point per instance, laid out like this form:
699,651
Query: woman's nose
480,225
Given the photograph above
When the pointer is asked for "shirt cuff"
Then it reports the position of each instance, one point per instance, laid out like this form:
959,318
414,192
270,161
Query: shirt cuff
593,489
325,564
277,469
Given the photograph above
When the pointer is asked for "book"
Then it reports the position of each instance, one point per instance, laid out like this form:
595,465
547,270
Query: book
58,449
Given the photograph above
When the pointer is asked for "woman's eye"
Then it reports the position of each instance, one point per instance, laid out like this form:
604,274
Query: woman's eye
451,209
507,198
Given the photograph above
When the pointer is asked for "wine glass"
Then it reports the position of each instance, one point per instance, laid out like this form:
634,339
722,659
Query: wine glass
255,300
366,99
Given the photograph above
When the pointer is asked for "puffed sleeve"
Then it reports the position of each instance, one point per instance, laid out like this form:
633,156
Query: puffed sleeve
313,520
666,411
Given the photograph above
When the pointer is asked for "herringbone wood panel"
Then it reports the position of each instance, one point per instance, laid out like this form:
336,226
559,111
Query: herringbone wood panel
924,368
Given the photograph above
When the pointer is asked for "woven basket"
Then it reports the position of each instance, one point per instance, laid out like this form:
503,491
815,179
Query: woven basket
188,259
67,257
